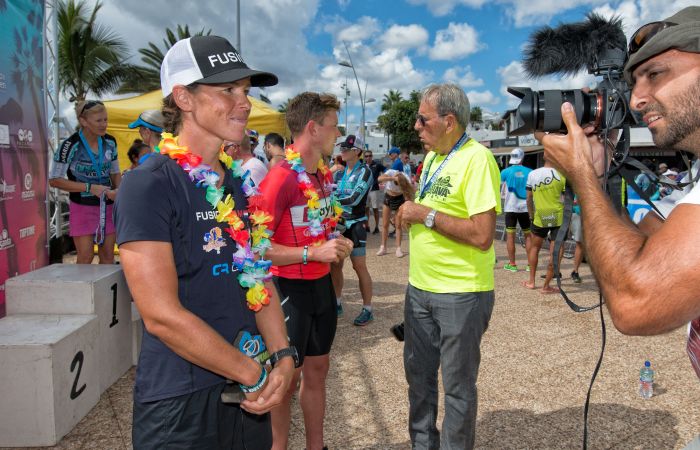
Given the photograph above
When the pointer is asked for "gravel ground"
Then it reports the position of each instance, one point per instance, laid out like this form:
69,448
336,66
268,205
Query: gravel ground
537,360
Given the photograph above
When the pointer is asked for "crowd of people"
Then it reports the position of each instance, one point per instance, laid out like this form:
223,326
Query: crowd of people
236,265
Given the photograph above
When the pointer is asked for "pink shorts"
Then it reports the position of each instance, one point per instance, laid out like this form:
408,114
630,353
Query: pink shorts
84,219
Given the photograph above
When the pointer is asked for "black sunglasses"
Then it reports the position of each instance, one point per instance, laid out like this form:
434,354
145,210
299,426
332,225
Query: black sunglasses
90,104
423,120
648,31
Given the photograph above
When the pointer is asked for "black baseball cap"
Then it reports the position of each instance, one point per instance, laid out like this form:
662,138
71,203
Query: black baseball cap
207,60
351,142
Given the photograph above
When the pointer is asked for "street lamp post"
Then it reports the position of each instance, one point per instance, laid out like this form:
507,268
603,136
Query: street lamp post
363,99
347,94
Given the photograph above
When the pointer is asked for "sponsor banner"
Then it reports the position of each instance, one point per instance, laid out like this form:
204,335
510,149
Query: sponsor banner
23,142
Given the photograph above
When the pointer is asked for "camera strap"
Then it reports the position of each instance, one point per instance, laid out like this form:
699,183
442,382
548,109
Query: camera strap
559,247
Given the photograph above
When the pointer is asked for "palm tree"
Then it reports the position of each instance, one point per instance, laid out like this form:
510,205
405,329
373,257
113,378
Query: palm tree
146,78
283,107
390,99
475,115
90,56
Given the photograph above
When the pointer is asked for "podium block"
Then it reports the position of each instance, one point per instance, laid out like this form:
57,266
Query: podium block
136,334
82,289
48,376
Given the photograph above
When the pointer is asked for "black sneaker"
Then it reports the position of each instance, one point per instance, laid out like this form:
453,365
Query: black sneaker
397,331
575,277
376,231
392,234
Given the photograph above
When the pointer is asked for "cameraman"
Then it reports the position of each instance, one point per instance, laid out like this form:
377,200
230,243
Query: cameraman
643,296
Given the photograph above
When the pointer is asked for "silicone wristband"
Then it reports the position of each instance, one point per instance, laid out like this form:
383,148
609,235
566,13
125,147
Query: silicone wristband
87,188
305,255
257,386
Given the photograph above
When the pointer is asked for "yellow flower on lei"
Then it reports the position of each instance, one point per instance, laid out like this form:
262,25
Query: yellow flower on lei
257,297
225,208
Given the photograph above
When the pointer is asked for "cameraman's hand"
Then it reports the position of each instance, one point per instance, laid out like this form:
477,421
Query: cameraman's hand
332,251
580,156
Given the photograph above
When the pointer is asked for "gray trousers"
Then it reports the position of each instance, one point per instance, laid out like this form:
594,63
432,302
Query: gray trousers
443,330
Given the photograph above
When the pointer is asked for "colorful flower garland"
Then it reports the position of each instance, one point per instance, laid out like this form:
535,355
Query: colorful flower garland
317,227
254,271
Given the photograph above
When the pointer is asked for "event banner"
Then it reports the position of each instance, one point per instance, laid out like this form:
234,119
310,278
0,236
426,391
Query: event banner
23,141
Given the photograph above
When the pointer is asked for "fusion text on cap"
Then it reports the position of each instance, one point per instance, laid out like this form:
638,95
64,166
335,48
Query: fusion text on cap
225,58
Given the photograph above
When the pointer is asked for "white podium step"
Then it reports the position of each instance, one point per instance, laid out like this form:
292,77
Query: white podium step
48,376
98,289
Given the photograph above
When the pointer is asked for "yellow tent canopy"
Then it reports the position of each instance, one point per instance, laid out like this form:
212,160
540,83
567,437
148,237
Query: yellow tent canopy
263,118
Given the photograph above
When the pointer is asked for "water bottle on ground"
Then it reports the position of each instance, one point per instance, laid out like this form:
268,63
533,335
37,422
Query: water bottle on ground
646,381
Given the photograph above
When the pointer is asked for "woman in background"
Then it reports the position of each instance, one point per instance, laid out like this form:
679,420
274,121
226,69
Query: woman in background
86,166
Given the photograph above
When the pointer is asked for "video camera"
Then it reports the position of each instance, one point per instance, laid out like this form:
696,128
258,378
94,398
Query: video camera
596,44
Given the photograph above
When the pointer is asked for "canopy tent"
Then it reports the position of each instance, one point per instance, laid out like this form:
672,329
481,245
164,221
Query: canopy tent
263,118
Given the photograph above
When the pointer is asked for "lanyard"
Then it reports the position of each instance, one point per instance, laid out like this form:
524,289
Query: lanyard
95,163
425,185
345,176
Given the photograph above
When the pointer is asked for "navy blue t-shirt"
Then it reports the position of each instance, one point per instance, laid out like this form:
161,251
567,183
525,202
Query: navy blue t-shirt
377,169
158,202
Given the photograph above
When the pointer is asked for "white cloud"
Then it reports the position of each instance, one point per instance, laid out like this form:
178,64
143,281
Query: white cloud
404,37
462,76
443,7
482,98
365,28
381,71
270,40
634,14
457,41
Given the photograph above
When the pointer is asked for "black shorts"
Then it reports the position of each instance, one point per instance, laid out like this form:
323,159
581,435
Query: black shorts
357,233
513,219
310,307
543,232
199,420
394,202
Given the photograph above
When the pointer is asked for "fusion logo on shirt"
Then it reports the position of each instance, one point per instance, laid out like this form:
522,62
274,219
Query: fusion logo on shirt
205,215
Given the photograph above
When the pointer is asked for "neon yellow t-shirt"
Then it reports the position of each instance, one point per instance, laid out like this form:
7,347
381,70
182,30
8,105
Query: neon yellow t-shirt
547,186
468,184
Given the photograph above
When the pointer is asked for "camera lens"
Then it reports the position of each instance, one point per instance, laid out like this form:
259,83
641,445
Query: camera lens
541,110
549,108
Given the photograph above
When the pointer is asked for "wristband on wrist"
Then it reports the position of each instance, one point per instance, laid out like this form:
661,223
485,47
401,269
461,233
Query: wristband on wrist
88,186
305,255
257,386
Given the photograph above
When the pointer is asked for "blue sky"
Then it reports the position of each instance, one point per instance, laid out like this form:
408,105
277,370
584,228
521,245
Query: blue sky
399,44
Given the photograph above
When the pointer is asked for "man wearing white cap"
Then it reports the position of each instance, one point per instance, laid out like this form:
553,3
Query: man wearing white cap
150,124
514,186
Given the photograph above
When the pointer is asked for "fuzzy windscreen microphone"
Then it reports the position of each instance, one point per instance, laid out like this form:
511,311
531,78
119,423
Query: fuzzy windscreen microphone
572,47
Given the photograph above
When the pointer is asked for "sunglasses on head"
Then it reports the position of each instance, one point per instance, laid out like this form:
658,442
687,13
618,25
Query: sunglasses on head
648,31
423,120
89,104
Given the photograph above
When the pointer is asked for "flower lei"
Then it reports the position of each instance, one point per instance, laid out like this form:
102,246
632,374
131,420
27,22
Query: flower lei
254,272
317,226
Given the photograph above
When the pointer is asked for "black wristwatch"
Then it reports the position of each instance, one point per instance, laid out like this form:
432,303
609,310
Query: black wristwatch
289,351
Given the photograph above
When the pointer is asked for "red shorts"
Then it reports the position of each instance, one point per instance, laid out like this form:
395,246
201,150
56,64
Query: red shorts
84,219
